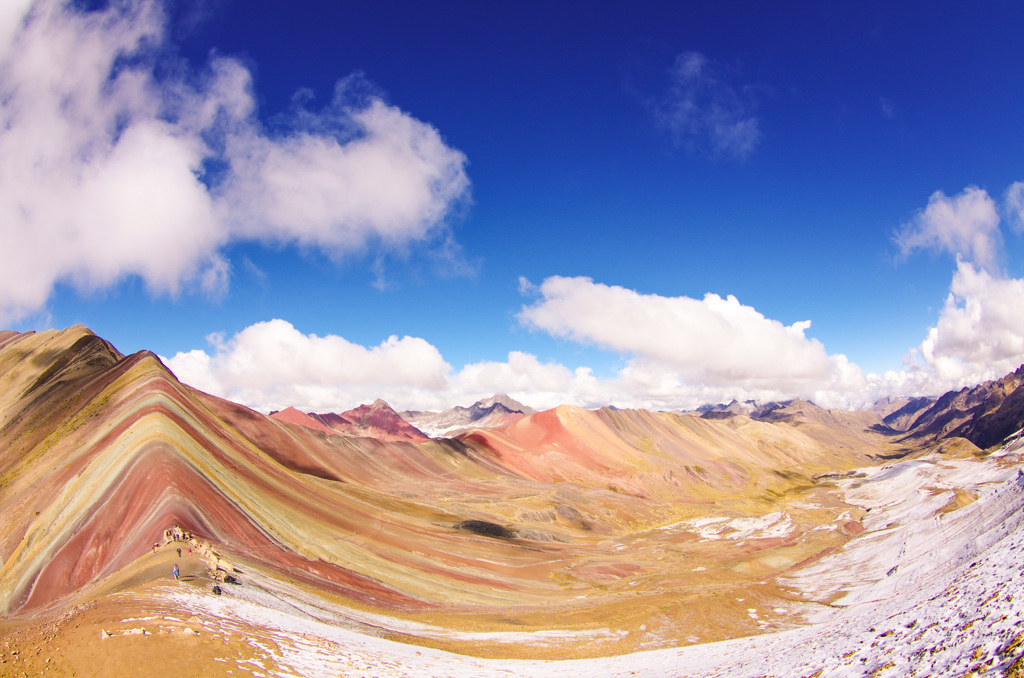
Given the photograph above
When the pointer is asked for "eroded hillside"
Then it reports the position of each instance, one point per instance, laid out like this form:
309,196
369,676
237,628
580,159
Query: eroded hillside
610,531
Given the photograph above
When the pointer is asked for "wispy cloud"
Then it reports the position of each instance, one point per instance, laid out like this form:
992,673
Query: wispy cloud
1014,206
109,171
966,225
701,109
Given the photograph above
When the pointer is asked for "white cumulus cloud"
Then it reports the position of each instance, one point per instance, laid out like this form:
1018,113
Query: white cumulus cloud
105,168
393,183
540,385
979,334
272,365
713,341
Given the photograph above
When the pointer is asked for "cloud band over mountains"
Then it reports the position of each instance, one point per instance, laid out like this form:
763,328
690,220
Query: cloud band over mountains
681,352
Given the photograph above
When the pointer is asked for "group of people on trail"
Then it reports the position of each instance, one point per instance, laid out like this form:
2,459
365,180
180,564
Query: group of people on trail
178,534
220,569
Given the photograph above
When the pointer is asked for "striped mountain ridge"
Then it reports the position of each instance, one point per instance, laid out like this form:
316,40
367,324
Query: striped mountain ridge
101,452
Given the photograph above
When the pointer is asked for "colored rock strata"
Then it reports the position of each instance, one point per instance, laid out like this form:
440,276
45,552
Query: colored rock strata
609,530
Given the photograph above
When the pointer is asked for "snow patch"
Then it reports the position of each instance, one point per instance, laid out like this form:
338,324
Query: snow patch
777,524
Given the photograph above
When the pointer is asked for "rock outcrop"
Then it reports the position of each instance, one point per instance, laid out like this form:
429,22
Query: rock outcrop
985,415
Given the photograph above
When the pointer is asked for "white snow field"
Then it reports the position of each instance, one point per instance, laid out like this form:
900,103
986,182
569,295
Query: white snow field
921,593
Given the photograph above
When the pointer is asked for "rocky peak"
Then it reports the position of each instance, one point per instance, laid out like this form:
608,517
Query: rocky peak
986,414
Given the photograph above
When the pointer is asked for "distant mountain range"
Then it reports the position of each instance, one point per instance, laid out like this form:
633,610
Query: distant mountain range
494,412
985,415
380,421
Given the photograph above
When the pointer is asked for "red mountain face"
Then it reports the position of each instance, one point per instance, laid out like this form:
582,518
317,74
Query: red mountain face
380,421
294,416
366,421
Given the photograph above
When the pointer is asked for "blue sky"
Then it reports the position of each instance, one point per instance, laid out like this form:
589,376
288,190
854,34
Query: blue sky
530,197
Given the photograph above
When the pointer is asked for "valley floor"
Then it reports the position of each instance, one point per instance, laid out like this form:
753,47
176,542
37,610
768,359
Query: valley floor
935,587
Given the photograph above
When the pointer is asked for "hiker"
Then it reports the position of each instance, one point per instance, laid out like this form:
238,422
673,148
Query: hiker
174,571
